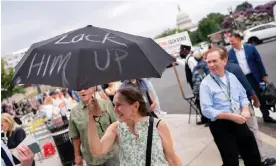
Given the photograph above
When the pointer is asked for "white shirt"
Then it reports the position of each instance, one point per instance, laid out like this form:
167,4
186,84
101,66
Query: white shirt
191,62
223,79
153,92
57,102
5,148
241,57
49,110
69,102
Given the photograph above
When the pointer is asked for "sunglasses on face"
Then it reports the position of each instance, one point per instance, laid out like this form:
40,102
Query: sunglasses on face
95,88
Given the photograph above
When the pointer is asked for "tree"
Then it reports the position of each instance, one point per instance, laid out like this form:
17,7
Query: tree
194,36
210,24
227,23
243,7
217,17
168,32
7,88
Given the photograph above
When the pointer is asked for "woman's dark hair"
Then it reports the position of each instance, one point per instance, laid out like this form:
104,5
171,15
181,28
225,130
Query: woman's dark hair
64,92
131,95
69,91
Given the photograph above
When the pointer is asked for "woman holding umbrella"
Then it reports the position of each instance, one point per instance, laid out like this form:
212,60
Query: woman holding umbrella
131,133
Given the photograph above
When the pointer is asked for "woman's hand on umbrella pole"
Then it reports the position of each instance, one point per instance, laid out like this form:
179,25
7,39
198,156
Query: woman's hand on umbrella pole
78,160
152,107
94,108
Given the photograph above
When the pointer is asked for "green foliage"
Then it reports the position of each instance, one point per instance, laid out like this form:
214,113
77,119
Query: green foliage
210,24
168,32
217,17
243,7
7,88
35,92
194,36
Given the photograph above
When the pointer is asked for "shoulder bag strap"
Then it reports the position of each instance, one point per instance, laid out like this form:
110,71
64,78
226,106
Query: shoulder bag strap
149,141
187,61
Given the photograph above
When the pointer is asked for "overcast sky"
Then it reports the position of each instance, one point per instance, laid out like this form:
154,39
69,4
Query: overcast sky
24,23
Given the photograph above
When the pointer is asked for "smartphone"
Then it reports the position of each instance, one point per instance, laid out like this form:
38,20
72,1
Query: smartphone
34,147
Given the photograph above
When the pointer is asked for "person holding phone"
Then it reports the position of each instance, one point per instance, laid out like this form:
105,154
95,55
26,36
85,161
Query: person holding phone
25,155
14,134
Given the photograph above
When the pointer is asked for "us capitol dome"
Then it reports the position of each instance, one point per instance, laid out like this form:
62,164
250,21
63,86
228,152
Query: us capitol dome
183,21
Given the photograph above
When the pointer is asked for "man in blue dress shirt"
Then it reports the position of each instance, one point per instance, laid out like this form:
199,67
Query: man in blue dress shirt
224,101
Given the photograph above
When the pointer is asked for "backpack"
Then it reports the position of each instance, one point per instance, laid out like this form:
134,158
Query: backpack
198,75
189,74
269,94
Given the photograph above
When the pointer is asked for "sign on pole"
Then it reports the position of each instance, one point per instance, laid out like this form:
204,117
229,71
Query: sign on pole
171,44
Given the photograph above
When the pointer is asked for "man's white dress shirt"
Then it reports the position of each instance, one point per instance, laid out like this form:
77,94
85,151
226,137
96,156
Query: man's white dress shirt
241,57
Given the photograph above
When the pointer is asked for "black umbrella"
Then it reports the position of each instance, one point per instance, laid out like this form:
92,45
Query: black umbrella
91,56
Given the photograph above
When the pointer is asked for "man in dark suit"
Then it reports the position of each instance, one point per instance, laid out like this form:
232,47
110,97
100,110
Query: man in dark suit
252,66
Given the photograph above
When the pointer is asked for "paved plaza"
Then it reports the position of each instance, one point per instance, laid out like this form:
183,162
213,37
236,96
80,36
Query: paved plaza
193,144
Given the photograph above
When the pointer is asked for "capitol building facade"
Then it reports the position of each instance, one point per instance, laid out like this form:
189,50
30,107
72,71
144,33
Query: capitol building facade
183,21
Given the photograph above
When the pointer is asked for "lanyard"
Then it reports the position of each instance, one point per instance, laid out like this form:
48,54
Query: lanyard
228,94
100,124
99,118
98,121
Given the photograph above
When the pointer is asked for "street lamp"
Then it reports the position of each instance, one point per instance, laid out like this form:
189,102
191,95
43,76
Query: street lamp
232,18
230,11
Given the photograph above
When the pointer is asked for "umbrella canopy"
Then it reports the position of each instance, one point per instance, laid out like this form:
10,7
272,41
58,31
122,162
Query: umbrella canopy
90,56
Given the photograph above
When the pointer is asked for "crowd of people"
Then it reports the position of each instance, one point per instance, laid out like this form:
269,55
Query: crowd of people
14,136
55,105
224,84
138,100
118,123
101,130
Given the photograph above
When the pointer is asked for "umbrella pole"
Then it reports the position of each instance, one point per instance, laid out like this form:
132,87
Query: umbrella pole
178,80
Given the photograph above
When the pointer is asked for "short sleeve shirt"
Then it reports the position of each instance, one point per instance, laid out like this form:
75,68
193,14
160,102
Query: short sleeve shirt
78,128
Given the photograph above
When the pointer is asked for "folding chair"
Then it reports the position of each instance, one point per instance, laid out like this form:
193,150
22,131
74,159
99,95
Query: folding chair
189,98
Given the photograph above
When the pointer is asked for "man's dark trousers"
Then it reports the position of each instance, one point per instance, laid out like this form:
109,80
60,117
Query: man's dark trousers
233,139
